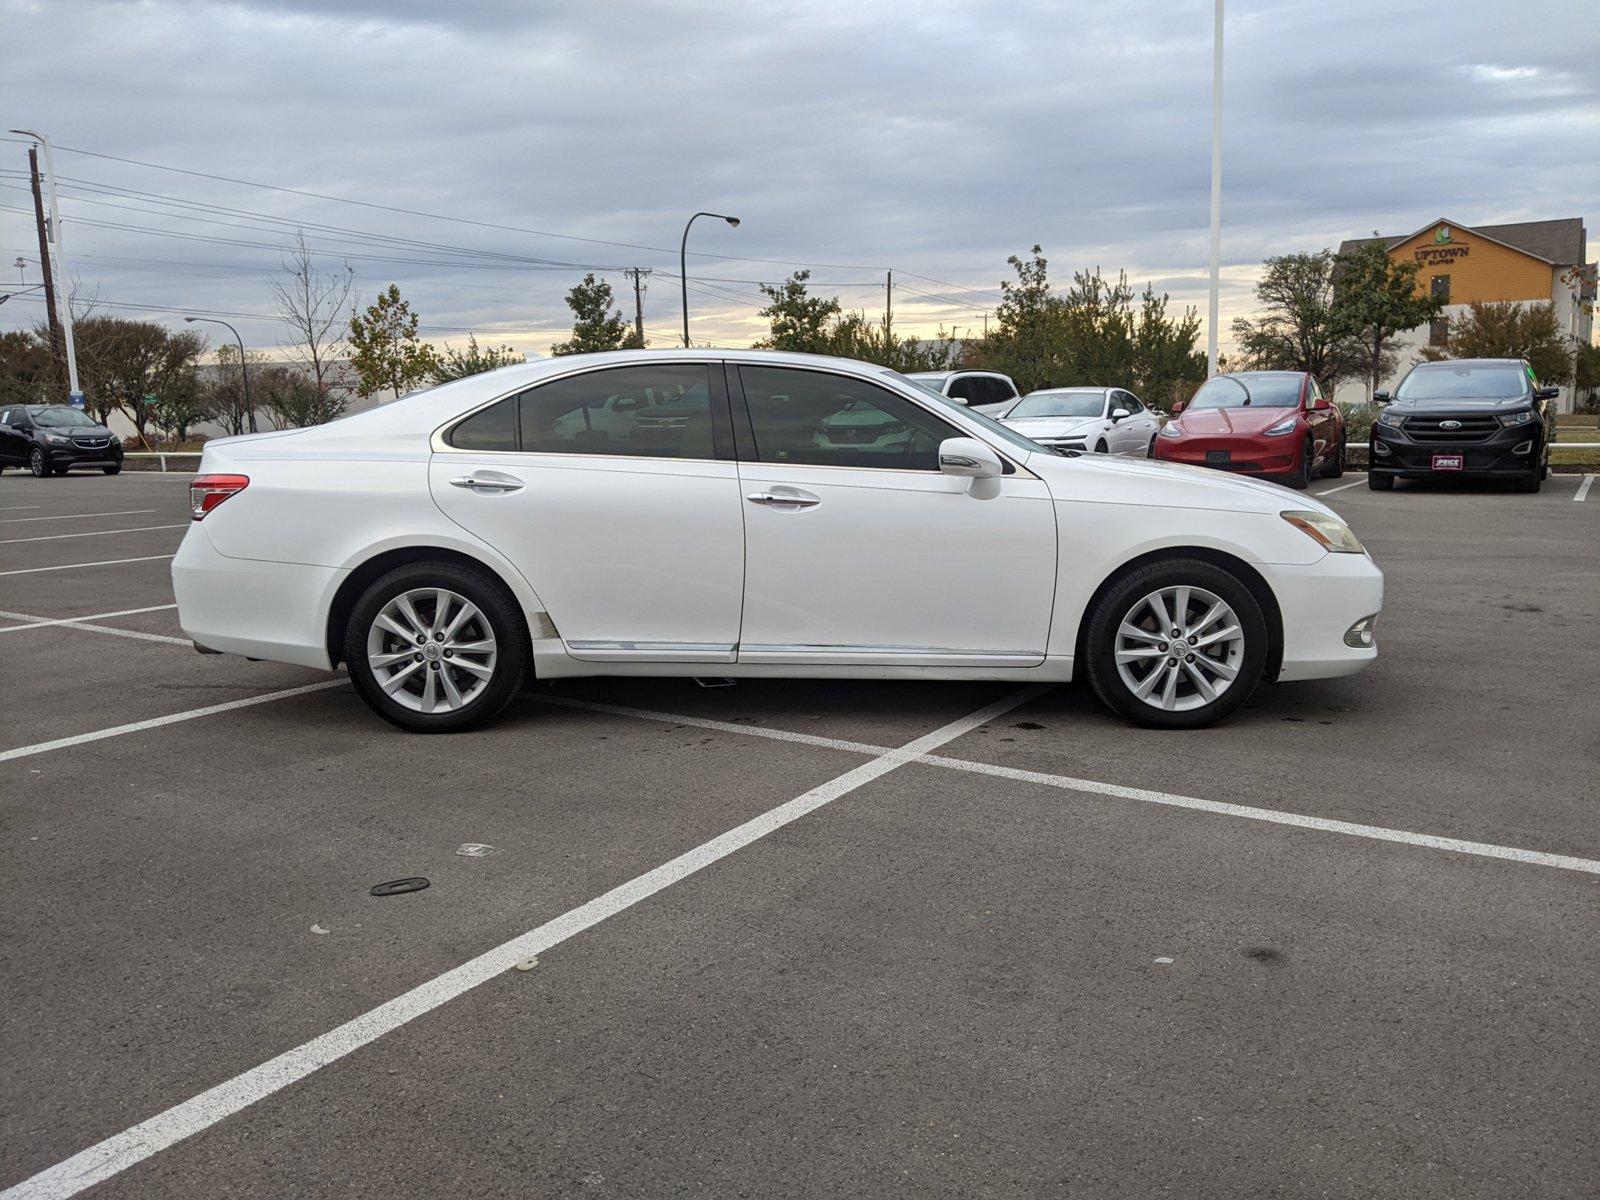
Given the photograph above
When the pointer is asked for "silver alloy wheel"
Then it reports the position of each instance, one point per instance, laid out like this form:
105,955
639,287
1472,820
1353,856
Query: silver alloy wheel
431,650
1179,648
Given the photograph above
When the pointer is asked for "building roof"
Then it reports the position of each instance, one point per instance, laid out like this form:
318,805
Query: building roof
1561,242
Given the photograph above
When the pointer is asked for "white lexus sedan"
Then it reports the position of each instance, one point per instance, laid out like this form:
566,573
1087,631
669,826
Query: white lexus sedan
765,514
1098,420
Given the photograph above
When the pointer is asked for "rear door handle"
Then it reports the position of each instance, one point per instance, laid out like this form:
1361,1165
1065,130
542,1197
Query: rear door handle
791,498
487,483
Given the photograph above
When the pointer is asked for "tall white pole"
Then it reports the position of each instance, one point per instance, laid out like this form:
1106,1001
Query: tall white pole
58,261
1216,194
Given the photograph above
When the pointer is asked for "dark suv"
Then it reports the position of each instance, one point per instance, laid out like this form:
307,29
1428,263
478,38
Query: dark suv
50,439
1484,417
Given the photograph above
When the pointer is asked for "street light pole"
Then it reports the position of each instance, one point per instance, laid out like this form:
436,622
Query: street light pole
683,265
244,374
1216,194
59,265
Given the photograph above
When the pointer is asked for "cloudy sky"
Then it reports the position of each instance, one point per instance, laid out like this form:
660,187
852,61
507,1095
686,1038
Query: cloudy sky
932,138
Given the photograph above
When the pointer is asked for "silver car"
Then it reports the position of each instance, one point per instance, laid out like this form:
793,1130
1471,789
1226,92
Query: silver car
1094,420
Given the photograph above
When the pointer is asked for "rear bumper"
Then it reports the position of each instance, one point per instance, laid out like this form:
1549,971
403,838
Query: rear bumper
1245,456
1320,603
271,610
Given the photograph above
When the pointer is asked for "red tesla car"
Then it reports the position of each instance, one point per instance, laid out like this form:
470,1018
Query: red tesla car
1275,423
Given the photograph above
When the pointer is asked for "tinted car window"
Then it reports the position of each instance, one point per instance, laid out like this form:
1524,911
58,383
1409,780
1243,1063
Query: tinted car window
61,417
1503,381
964,388
819,419
654,411
495,428
1058,404
1265,391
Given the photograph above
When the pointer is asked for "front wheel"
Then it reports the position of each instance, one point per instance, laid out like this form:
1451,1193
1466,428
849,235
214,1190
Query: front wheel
113,469
1176,644
1150,450
1101,447
38,464
436,647
1300,480
1530,482
1379,482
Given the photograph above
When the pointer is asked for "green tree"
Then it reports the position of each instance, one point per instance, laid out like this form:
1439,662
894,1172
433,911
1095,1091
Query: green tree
800,321
121,362
222,392
384,348
292,399
474,360
26,373
855,335
182,405
1300,326
1509,330
596,325
1376,297
1588,375
1166,364
1026,341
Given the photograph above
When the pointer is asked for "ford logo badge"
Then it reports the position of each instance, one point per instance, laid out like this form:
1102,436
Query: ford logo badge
1449,424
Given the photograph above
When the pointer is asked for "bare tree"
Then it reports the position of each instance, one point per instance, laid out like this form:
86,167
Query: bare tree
313,306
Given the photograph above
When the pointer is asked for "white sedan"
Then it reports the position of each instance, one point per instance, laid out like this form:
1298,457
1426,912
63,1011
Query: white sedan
1099,420
453,544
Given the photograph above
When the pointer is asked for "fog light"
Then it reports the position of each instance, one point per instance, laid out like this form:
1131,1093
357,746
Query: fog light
1359,635
1523,447
1381,449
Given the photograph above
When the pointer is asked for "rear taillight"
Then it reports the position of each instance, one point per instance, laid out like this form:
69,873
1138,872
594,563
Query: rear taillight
208,491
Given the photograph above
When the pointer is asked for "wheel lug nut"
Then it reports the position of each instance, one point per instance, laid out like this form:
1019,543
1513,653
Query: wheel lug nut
438,637
1190,658
421,640
433,666
1172,662
449,653
419,657
1163,647
1177,633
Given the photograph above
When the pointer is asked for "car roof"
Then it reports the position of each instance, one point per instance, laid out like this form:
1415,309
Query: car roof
1054,391
1470,362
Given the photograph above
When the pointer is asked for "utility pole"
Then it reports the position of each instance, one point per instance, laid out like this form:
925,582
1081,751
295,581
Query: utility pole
74,396
638,274
888,304
57,351
1216,194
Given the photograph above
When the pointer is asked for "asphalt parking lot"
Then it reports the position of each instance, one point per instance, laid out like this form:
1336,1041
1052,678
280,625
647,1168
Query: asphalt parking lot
804,938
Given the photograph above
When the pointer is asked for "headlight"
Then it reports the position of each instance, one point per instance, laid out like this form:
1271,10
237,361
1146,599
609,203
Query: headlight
1328,532
1282,427
55,439
1388,417
1171,430
1516,418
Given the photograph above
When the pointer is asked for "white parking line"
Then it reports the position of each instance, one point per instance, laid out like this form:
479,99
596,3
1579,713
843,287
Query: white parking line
19,507
84,624
1583,489
121,1151
193,714
40,623
120,512
56,537
106,562
1340,488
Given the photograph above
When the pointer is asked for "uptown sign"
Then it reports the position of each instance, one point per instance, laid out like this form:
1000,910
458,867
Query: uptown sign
1441,251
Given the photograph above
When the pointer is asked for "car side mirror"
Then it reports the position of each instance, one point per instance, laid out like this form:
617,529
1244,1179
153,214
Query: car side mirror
968,458
1179,406
1381,397
1546,393
1118,414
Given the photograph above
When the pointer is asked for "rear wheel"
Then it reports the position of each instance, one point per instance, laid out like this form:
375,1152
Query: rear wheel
1176,644
436,647
1335,467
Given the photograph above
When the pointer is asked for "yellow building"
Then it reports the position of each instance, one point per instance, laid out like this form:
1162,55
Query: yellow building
1531,262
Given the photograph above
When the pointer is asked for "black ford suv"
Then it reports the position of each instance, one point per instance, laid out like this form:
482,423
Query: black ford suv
1484,417
50,439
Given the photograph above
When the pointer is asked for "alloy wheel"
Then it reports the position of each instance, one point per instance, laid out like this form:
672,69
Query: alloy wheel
1179,648
431,650
37,464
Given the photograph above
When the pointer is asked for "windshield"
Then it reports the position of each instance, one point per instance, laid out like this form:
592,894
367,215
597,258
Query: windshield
990,425
1499,382
1266,391
1059,404
61,418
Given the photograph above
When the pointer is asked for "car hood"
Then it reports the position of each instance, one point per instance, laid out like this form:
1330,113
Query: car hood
1214,422
1037,427
1431,407
1106,479
77,430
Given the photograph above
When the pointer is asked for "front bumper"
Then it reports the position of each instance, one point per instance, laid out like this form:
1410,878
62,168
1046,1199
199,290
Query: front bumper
1243,456
85,456
1507,451
1320,603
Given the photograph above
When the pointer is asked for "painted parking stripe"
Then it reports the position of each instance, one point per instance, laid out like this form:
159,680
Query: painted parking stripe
780,735
1340,488
105,562
41,623
85,624
1583,489
193,714
19,508
56,537
150,1137
120,512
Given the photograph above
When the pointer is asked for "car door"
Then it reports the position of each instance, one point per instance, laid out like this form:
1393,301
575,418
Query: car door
866,554
632,535
10,442
1136,429
16,439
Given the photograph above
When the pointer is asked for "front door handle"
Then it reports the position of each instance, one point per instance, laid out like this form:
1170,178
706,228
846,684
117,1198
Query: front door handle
480,483
796,499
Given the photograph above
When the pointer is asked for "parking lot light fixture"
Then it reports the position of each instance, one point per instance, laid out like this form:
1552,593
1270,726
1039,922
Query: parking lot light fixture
683,264
244,374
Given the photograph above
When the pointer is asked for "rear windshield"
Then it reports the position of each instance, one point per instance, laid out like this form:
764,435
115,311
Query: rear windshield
1265,391
1500,382
1058,404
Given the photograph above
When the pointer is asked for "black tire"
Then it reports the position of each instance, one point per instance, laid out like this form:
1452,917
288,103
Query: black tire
1544,462
1529,482
1114,604
1300,480
1335,468
1101,447
113,469
38,464
499,610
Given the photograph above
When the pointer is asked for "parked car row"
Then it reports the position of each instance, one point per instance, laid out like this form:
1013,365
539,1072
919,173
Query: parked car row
51,439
